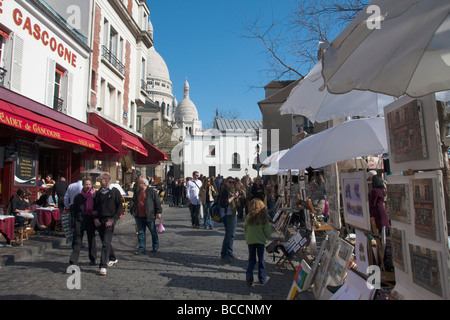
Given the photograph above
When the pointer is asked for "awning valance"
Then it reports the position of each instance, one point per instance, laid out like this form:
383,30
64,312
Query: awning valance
23,119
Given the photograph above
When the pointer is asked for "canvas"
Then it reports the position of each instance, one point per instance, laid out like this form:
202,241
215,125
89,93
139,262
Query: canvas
399,249
426,219
398,195
332,188
426,268
355,199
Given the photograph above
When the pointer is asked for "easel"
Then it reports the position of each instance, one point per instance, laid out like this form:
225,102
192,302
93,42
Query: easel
290,248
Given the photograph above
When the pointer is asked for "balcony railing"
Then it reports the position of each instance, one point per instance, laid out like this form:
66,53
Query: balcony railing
144,85
58,105
2,77
112,59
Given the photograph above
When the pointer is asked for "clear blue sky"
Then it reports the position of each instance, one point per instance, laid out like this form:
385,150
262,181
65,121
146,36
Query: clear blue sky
201,40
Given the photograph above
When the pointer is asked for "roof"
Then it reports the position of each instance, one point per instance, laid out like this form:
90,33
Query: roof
236,124
281,95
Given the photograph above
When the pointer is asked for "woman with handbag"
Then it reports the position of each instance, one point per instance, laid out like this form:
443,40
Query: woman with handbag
229,202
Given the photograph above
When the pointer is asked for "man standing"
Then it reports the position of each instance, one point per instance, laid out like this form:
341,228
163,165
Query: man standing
146,208
192,191
83,210
59,191
108,206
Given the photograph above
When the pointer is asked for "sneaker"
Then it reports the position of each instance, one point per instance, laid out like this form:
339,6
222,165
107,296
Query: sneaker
234,257
112,262
139,252
102,272
92,263
226,259
249,282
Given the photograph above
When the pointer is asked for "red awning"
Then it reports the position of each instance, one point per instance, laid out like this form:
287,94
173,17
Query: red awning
131,142
116,136
154,154
23,119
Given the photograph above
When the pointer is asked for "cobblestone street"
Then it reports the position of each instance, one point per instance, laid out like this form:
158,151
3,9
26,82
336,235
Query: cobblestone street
186,267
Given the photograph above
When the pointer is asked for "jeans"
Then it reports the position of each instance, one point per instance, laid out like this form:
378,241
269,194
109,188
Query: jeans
270,207
195,213
230,223
253,251
207,214
142,224
176,200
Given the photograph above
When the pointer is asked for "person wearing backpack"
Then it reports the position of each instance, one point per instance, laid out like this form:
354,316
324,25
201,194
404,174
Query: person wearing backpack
257,231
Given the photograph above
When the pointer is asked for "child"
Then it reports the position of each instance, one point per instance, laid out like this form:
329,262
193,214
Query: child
257,230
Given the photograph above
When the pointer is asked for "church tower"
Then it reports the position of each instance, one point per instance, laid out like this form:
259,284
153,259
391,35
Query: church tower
186,115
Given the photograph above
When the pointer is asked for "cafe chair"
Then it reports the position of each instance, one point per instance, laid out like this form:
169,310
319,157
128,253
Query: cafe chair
22,232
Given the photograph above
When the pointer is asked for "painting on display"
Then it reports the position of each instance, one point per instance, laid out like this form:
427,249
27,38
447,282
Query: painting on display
332,189
407,133
340,261
425,215
413,137
399,249
425,268
398,204
361,251
355,199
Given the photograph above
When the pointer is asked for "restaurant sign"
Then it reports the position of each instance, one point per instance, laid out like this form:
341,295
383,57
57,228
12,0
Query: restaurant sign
18,122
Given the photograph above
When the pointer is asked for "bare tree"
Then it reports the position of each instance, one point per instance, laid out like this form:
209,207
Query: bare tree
291,44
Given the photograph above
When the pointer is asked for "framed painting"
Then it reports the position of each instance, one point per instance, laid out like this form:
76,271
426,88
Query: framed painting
426,217
399,249
398,195
331,176
412,134
355,199
426,269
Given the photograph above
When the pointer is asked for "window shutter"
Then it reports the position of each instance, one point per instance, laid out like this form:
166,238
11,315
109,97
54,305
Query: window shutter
16,72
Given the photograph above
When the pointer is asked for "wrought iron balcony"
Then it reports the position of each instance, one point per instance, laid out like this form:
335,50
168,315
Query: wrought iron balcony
2,77
112,59
58,105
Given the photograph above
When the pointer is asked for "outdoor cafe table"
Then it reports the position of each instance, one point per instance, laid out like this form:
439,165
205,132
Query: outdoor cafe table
7,226
47,215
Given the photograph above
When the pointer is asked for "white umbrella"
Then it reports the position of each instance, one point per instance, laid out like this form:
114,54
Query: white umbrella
309,100
350,139
271,163
408,54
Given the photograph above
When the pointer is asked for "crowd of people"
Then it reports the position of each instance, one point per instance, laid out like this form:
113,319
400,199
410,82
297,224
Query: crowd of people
241,199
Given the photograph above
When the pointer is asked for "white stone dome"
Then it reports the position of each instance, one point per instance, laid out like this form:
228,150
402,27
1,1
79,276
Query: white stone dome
186,109
157,67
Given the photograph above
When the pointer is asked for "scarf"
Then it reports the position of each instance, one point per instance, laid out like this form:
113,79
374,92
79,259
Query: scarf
89,202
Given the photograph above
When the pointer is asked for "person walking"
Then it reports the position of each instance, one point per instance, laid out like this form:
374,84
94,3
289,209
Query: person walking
229,201
108,206
72,190
83,210
192,194
257,230
176,192
207,195
146,208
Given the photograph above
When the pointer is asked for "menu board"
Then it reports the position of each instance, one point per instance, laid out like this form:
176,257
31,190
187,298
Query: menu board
26,164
